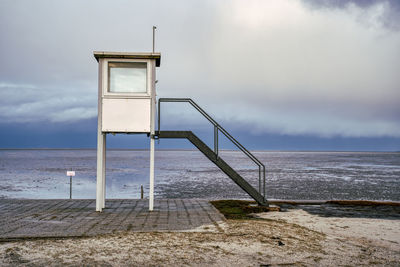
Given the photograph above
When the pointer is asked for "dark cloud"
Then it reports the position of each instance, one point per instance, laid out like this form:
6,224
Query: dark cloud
83,134
343,3
390,17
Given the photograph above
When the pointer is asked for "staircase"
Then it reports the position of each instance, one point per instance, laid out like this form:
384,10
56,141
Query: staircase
257,195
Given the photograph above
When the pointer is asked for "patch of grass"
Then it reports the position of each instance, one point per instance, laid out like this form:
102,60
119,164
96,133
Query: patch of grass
238,209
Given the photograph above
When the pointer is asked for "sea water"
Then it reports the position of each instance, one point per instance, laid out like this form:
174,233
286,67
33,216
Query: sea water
189,174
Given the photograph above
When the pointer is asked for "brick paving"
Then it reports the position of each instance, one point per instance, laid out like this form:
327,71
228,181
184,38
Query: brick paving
28,218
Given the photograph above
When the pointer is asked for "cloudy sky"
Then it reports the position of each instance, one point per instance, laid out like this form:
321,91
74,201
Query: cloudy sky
280,74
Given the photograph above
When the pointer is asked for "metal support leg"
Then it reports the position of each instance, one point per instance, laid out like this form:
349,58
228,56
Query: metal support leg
151,193
104,169
100,163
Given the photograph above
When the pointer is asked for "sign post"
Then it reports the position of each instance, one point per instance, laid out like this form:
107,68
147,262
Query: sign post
70,174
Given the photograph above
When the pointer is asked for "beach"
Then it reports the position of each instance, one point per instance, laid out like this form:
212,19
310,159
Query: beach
301,234
298,235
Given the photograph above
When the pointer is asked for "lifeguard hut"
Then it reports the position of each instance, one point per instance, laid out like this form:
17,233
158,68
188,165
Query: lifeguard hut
126,105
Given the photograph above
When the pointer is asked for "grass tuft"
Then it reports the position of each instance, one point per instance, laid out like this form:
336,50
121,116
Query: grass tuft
239,209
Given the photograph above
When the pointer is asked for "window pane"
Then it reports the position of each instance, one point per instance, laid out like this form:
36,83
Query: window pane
127,77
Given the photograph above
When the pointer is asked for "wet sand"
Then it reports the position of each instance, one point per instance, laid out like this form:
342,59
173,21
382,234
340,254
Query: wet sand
300,235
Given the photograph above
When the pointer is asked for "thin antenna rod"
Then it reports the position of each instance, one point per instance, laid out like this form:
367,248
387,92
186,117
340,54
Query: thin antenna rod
154,36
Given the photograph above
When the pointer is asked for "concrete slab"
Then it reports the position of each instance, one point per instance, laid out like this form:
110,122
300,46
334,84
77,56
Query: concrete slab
28,218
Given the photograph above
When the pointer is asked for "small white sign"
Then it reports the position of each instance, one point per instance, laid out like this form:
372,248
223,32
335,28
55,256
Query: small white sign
70,173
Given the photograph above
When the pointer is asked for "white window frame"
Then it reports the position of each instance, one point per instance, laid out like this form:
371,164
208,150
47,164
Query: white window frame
107,94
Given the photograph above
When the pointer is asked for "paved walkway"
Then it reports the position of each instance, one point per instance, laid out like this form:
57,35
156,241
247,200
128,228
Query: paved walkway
67,218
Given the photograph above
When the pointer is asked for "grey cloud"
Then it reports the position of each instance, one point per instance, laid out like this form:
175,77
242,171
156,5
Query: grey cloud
345,3
273,66
29,103
390,15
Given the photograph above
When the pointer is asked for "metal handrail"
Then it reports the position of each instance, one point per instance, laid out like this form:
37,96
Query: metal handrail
217,127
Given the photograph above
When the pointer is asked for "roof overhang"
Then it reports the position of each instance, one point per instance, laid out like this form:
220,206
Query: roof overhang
102,54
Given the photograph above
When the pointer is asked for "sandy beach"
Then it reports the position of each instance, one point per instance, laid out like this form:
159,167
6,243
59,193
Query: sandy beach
295,236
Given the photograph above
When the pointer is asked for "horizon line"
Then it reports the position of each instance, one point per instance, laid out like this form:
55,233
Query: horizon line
194,149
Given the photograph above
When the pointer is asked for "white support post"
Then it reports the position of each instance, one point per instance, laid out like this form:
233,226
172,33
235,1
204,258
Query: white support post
151,193
104,169
100,163
152,132
100,147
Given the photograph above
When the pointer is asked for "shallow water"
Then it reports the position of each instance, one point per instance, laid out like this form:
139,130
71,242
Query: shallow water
188,174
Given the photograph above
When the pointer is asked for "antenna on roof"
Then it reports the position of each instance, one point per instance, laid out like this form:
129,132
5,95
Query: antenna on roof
154,36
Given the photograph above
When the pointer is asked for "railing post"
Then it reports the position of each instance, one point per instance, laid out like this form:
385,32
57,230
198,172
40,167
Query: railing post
159,115
216,140
264,183
259,179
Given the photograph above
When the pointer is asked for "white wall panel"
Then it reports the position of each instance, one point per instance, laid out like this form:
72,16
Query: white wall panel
126,115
